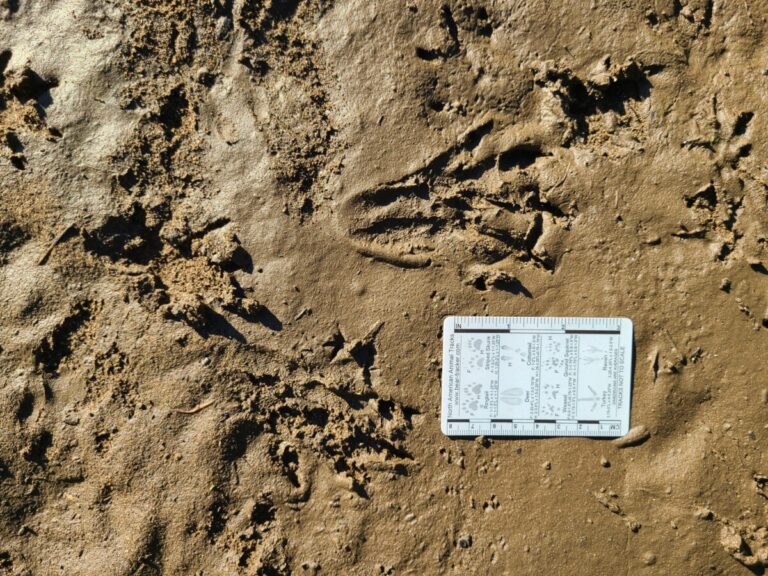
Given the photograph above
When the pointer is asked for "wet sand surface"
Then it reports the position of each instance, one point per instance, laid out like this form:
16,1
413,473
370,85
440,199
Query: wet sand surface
230,232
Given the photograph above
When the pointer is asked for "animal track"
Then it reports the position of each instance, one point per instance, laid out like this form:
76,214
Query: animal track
483,195
57,346
503,191
12,236
716,207
338,418
23,95
276,50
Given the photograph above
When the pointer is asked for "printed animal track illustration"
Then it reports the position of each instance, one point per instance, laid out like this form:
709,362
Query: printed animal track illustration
595,398
553,364
474,398
512,396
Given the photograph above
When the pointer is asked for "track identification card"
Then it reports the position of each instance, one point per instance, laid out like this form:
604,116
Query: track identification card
528,376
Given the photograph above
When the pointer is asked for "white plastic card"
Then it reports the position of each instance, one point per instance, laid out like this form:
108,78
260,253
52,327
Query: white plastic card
528,376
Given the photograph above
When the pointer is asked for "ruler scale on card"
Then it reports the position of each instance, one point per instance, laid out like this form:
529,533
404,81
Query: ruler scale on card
528,376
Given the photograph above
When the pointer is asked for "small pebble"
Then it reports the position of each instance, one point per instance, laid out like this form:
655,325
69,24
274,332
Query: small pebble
71,420
547,465
483,441
223,26
704,514
649,558
727,426
725,285
465,541
604,462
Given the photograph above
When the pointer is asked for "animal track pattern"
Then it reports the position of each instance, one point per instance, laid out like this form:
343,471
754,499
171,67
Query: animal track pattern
57,346
492,196
717,205
275,50
23,94
329,418
491,205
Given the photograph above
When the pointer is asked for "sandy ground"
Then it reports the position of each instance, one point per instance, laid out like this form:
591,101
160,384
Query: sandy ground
230,231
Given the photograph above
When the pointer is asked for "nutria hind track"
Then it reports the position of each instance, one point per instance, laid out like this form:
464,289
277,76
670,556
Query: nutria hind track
464,189
487,185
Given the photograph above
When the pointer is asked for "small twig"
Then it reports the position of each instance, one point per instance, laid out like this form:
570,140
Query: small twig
196,409
304,312
59,238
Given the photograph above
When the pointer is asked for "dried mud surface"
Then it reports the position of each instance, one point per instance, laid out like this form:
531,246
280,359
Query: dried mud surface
230,230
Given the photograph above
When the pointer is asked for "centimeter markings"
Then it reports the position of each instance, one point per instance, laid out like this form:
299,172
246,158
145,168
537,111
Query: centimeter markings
536,323
606,429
